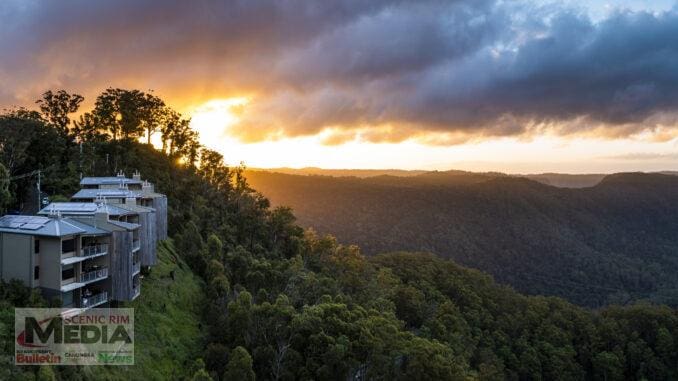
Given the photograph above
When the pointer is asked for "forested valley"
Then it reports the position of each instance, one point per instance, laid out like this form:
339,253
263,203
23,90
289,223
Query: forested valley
611,243
281,302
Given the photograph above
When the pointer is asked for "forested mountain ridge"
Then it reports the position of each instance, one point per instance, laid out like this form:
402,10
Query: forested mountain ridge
610,243
556,179
286,304
561,180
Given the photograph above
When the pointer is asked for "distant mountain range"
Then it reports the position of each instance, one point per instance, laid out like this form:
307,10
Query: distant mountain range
613,240
362,173
561,180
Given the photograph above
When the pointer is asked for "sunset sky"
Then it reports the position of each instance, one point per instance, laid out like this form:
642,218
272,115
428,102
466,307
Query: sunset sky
514,86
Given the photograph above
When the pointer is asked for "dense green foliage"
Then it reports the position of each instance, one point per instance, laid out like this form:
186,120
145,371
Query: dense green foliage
5,196
615,242
284,303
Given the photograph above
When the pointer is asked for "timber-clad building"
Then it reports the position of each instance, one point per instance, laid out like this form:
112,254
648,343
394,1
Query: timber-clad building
90,251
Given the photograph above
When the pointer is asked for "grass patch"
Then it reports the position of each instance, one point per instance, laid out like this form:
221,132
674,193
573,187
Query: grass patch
167,329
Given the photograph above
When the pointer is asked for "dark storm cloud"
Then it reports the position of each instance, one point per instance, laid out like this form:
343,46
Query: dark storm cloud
384,70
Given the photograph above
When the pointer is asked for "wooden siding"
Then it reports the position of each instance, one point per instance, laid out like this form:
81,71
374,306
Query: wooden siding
149,238
160,205
121,266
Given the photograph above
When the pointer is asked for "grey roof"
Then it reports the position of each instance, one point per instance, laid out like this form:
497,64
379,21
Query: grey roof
117,210
70,208
110,180
83,209
134,208
125,225
89,229
146,194
40,226
105,193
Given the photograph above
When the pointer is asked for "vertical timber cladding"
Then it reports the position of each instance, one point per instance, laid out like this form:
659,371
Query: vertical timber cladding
160,205
121,266
148,236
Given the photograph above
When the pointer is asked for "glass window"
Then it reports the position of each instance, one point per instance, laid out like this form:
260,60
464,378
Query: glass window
36,246
68,246
67,298
67,272
36,272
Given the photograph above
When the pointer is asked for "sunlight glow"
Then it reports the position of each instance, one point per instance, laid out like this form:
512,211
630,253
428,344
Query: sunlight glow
213,118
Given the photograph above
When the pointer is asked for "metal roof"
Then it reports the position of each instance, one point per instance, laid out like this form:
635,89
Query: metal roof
109,180
117,210
93,194
89,229
125,225
69,208
147,194
135,208
41,226
84,209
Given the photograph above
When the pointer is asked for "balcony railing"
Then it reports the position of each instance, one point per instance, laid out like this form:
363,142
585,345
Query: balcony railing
94,275
90,250
136,267
95,300
136,245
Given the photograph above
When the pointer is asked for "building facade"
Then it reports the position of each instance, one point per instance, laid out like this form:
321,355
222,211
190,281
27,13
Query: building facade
88,252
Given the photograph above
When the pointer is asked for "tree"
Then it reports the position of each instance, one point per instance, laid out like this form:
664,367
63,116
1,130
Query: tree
55,108
219,287
152,114
88,128
409,304
178,138
214,269
198,371
201,375
215,249
121,112
430,360
239,366
608,367
5,196
18,132
216,357
213,169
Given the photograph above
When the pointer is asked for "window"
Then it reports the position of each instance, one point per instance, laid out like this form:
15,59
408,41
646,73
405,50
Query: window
36,246
68,246
36,272
67,298
67,272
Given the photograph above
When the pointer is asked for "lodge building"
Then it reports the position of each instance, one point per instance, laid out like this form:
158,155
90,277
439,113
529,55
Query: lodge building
90,251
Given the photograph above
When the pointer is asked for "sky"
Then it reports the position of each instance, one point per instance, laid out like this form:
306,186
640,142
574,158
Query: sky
515,86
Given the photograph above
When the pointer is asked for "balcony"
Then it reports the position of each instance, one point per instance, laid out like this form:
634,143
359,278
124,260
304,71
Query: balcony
94,275
94,300
87,252
90,250
136,268
136,245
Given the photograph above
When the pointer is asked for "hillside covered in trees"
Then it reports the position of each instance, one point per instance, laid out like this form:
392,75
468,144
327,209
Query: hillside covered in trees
610,243
284,303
